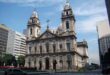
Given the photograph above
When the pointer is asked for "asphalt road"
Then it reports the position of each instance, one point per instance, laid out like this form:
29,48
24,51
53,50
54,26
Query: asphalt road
63,73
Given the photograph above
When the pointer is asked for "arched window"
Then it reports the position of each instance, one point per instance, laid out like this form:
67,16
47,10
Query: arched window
29,62
67,24
67,13
60,46
68,46
47,47
69,61
40,49
54,48
31,31
29,50
34,62
35,50
40,65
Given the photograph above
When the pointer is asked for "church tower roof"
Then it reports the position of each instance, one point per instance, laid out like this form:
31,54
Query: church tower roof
67,5
34,14
34,19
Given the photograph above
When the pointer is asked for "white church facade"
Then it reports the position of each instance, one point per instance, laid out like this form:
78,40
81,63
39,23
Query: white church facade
57,50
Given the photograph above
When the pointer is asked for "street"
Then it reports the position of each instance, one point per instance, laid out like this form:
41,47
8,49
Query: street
60,73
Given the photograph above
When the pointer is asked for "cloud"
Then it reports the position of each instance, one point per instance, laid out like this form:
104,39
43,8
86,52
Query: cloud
92,11
90,7
33,3
94,58
88,25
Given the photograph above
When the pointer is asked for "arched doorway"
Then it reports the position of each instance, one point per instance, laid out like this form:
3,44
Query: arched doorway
54,64
47,63
40,65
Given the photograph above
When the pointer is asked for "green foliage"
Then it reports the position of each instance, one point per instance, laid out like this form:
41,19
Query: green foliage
21,60
90,67
1,60
8,59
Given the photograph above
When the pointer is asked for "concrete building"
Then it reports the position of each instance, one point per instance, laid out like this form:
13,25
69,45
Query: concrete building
57,50
104,41
108,8
16,43
3,38
25,32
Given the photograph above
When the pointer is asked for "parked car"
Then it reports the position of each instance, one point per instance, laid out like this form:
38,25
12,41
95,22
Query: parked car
13,71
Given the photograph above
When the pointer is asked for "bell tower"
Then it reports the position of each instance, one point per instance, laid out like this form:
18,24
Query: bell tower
33,26
68,19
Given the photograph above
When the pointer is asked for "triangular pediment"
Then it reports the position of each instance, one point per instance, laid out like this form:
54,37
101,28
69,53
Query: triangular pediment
47,34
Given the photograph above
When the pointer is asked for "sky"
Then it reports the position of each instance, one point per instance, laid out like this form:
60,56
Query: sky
16,13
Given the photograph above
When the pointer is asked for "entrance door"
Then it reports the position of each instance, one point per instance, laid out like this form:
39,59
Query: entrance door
40,65
47,63
54,64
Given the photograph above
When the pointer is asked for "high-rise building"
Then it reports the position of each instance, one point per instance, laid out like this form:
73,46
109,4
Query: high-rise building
16,43
25,32
57,50
3,38
108,8
103,29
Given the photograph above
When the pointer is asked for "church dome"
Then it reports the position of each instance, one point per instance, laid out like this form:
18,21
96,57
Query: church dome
67,6
34,14
34,19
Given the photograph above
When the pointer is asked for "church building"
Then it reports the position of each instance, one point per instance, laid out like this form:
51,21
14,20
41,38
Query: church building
58,50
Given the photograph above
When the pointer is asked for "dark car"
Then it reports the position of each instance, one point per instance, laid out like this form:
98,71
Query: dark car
14,72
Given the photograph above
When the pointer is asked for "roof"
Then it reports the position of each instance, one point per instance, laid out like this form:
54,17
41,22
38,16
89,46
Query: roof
34,14
4,27
83,43
67,5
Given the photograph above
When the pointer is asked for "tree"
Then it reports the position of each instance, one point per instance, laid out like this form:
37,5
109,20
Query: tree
21,61
8,59
14,61
1,60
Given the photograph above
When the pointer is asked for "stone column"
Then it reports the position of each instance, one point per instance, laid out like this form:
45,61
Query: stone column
43,63
57,46
74,63
37,63
51,63
26,62
51,47
64,46
32,62
33,49
65,65
43,49
38,48
58,63
56,43
27,49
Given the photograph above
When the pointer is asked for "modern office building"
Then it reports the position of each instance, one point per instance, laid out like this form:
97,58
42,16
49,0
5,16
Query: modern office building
57,50
103,29
3,38
16,43
25,32
108,8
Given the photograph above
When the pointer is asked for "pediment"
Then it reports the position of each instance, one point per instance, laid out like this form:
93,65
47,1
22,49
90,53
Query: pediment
47,34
